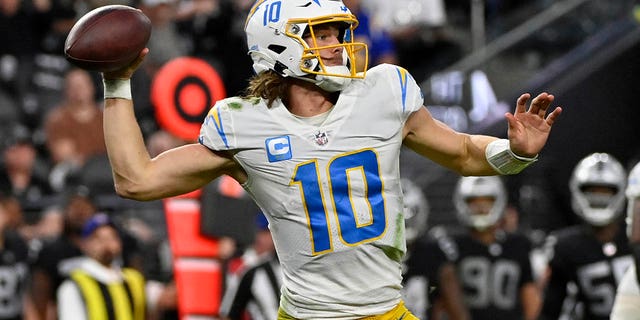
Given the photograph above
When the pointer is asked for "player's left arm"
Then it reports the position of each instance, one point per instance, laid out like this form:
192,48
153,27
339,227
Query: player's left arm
528,131
451,293
531,300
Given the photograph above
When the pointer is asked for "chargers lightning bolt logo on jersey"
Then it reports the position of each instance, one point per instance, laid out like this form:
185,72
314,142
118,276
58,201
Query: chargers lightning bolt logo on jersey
403,76
214,115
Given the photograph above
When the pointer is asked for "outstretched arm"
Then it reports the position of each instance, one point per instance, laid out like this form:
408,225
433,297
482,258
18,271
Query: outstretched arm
467,154
135,174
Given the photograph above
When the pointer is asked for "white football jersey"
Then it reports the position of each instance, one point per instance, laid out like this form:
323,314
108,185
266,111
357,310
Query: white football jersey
331,192
626,305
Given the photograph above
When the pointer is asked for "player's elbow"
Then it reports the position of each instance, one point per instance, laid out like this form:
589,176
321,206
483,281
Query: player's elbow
130,190
124,190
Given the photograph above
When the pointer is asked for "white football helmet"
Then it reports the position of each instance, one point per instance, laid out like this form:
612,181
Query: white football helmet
473,187
275,30
598,170
633,196
416,210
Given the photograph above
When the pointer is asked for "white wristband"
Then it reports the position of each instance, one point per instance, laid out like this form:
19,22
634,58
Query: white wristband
117,88
503,160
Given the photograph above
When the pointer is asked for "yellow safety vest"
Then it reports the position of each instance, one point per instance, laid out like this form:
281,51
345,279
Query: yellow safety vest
125,301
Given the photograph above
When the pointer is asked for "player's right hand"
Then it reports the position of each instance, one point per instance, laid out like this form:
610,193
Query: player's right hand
127,72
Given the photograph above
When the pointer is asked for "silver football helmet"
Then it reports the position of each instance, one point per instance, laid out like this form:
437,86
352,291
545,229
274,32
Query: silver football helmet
633,196
275,31
474,187
416,210
598,170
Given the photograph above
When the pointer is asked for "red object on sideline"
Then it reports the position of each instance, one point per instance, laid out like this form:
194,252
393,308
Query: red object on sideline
197,272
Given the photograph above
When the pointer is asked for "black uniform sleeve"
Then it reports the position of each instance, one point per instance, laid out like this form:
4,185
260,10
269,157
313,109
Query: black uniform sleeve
525,261
556,289
426,259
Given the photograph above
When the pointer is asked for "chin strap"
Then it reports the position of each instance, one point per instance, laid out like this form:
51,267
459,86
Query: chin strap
334,83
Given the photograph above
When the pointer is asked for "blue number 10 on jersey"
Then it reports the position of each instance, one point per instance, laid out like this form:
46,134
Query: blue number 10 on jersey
351,231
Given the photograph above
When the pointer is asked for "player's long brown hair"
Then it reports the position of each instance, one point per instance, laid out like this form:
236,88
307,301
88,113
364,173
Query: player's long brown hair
271,86
267,85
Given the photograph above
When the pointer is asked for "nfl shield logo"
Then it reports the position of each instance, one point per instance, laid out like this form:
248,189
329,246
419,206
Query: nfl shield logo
321,138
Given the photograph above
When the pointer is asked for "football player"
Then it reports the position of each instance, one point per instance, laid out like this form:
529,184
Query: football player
626,306
493,265
316,144
431,288
14,261
592,257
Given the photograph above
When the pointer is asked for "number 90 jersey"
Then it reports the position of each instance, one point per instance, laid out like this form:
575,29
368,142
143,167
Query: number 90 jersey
331,192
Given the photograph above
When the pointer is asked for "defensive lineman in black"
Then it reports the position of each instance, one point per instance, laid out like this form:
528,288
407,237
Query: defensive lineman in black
493,266
492,276
595,255
595,267
431,285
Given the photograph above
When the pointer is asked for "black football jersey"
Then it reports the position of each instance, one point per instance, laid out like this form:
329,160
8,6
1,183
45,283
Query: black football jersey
57,259
424,259
13,274
491,275
576,256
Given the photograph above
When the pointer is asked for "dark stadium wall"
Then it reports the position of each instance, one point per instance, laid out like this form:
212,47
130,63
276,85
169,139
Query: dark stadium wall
601,113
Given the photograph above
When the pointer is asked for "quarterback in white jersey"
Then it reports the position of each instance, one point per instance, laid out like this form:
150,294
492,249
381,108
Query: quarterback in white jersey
316,143
331,191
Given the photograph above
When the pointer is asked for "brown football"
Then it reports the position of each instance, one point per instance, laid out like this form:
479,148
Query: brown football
107,38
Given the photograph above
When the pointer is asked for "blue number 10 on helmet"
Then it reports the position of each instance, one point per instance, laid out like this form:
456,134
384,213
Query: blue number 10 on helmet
276,33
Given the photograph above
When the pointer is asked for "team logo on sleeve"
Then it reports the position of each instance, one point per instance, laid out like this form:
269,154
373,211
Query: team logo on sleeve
278,148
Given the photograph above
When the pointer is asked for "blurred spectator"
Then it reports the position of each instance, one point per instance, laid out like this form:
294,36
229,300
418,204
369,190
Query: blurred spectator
215,30
424,43
14,269
23,173
61,17
12,212
47,78
256,291
17,222
57,258
22,23
161,141
50,225
98,287
164,45
165,42
161,288
380,44
207,24
10,111
74,127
